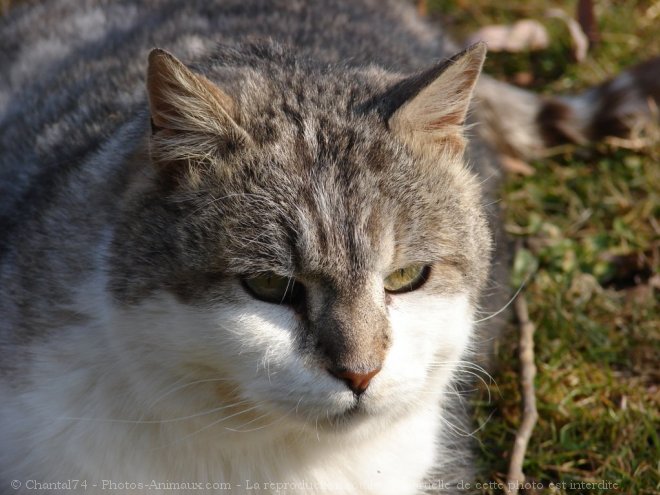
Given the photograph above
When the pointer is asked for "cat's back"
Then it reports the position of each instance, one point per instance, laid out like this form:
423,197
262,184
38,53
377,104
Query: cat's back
73,71
58,47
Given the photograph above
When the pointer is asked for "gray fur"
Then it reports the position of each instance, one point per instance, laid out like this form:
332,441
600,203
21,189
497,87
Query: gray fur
94,96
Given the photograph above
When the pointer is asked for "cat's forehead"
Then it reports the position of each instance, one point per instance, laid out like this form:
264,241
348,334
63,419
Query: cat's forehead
272,101
335,201
316,213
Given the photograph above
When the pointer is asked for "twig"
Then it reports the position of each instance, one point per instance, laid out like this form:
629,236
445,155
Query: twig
422,8
516,477
586,16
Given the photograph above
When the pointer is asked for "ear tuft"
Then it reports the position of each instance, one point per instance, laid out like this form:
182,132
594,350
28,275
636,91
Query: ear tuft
435,114
190,115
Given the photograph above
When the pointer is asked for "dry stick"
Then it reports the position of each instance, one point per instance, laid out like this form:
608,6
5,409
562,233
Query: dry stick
586,16
422,7
516,477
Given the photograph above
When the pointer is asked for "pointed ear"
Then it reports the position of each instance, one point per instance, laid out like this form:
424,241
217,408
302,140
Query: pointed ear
191,117
433,105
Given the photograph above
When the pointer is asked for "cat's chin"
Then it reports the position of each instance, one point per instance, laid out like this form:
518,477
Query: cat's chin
352,417
340,423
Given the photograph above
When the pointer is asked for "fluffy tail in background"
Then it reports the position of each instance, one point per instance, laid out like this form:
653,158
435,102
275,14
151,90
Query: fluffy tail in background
523,125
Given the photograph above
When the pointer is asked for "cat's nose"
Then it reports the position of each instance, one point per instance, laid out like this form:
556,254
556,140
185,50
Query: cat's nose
357,382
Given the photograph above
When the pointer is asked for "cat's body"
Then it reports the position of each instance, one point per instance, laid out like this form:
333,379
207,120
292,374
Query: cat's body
93,345
131,347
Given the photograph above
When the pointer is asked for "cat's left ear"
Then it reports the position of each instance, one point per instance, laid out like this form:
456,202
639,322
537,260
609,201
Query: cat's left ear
191,117
430,108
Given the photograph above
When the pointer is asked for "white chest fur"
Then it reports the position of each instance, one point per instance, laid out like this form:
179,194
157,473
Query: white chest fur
127,397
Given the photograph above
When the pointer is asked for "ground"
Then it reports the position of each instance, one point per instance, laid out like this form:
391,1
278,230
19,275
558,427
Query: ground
589,225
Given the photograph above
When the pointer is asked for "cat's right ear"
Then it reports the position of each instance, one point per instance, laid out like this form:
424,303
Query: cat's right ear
191,117
428,111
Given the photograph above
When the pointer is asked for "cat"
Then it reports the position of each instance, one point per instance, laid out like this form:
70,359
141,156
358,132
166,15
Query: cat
257,256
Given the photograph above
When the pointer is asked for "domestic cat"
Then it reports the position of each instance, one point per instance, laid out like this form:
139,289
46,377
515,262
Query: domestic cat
253,258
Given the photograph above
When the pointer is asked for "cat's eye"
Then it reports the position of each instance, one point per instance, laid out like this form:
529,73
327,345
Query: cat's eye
407,279
274,288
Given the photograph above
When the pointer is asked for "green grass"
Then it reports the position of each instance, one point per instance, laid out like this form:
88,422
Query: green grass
590,223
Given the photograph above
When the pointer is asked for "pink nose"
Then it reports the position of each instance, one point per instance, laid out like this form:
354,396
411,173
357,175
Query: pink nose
357,382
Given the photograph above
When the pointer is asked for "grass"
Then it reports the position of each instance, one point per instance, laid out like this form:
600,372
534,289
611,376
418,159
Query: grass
589,220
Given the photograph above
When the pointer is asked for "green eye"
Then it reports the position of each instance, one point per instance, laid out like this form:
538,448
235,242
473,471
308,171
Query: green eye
273,288
407,279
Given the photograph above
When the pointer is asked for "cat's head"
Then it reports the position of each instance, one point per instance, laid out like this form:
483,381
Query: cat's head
309,237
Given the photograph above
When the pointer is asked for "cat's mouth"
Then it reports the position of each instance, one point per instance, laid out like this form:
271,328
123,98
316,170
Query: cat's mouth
353,415
330,415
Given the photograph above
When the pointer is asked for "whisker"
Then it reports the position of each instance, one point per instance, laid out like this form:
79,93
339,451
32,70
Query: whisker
461,432
480,379
210,425
237,430
186,385
522,286
155,421
462,362
456,429
316,425
470,368
487,178
464,365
